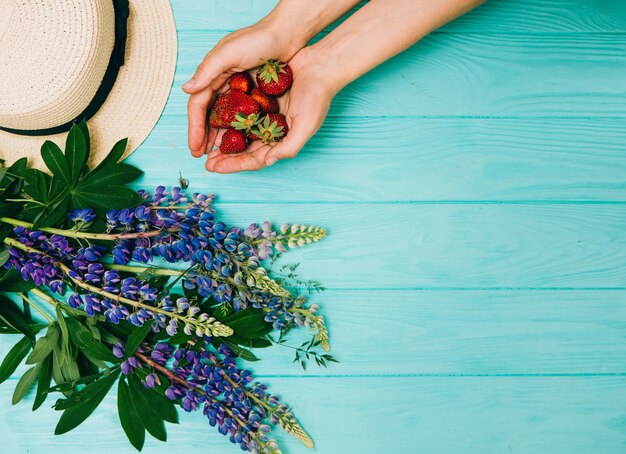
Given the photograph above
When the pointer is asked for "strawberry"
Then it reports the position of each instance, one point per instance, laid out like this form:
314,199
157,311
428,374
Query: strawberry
219,112
274,78
271,129
233,141
241,81
268,103
227,107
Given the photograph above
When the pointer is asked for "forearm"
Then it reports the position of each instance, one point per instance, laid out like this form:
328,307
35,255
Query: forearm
380,30
300,20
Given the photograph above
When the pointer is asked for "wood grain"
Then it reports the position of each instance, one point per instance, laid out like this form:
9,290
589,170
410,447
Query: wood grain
370,415
455,245
382,332
545,75
517,16
444,159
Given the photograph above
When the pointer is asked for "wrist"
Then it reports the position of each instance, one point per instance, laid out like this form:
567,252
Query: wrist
322,67
292,23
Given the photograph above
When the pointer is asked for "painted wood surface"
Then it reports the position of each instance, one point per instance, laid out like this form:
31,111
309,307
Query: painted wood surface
474,189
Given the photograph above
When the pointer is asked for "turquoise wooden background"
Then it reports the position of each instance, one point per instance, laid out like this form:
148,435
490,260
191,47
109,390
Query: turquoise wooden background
475,193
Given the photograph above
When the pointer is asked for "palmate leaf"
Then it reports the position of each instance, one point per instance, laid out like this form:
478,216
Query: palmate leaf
136,338
129,417
118,174
37,185
104,198
14,358
55,161
91,396
160,404
152,421
76,152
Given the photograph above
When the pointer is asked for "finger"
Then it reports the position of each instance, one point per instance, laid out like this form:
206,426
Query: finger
211,137
197,121
299,134
254,160
212,66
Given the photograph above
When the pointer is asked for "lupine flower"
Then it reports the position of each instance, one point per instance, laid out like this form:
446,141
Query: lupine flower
82,215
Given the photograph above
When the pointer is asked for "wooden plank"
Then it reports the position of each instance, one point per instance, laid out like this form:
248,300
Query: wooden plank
546,75
518,16
368,415
460,333
433,159
455,245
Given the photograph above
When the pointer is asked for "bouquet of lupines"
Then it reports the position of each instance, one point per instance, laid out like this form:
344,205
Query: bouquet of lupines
147,290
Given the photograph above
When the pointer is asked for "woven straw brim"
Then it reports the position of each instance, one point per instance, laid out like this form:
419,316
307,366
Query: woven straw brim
138,98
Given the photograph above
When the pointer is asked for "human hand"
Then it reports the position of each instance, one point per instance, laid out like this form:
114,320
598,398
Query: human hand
305,107
239,51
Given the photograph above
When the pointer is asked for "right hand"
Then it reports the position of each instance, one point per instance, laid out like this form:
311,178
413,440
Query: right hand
239,51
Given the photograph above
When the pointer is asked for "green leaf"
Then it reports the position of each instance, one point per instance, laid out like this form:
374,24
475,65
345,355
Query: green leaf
15,356
11,281
55,161
26,382
37,185
76,415
84,340
157,401
153,423
129,417
136,338
11,316
243,353
247,323
43,383
52,214
114,155
4,255
65,338
83,127
103,199
76,152
44,346
119,174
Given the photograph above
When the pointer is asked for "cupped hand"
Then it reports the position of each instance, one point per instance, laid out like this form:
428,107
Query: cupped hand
239,51
305,107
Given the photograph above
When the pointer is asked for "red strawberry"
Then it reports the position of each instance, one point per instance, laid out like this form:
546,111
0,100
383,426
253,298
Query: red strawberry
219,112
274,78
271,129
233,141
268,103
241,81
227,107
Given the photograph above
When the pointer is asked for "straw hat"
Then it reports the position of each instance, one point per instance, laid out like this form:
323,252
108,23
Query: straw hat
110,61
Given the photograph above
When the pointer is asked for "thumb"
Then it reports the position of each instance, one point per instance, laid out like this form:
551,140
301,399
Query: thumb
298,135
211,68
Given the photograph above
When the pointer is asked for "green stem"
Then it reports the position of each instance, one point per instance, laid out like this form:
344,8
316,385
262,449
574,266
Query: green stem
217,329
86,235
26,201
36,307
141,269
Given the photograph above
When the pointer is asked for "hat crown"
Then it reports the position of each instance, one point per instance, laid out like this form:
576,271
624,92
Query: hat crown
53,57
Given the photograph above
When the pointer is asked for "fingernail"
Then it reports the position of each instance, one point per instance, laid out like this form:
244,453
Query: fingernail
189,84
271,161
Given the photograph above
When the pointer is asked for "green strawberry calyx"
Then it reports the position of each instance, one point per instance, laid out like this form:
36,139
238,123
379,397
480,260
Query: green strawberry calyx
245,123
268,132
270,70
